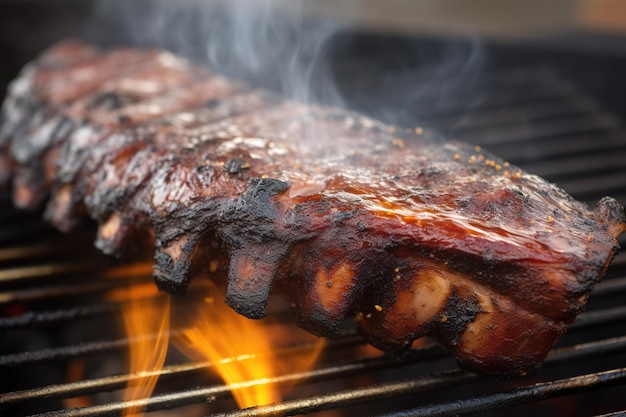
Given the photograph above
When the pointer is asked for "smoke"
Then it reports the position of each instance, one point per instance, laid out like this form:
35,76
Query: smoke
265,42
275,44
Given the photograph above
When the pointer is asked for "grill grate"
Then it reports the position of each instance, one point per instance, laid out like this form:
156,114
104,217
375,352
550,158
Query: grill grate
53,310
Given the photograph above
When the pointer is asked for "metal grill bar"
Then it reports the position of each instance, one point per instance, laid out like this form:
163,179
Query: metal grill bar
66,291
615,414
585,320
31,318
430,382
579,164
25,273
519,396
85,387
201,395
542,129
612,285
356,396
64,352
558,356
54,246
560,146
515,113
594,318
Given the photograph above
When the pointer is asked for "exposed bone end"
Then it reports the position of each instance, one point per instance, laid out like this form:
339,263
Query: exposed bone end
173,262
416,300
62,211
498,341
251,274
112,234
28,190
49,164
329,299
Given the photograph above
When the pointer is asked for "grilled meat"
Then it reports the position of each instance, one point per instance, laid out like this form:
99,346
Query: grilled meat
341,214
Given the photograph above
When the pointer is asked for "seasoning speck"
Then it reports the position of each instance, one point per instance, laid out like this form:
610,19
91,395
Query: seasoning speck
398,142
378,308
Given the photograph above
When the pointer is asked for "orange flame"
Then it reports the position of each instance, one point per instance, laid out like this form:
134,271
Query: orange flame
144,317
75,373
242,350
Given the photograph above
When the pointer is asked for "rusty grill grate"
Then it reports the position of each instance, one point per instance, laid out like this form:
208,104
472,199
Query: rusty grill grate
54,314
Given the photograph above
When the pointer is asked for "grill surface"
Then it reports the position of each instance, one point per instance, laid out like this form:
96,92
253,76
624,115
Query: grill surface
55,317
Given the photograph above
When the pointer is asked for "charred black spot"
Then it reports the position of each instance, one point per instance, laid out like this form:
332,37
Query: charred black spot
168,275
236,166
213,103
172,275
343,215
109,101
431,171
457,314
124,118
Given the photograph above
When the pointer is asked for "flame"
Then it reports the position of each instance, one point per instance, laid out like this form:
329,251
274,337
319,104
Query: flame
243,351
130,270
75,373
133,292
143,317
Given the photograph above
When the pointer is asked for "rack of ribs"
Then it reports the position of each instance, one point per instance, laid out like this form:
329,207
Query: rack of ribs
343,215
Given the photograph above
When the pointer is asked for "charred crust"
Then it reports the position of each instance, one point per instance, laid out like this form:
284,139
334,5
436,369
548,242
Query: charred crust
235,166
248,228
611,214
321,324
254,216
450,324
251,273
213,103
109,100
172,275
124,119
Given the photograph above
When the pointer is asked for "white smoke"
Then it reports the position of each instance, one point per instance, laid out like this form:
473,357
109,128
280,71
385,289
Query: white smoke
267,42
276,44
